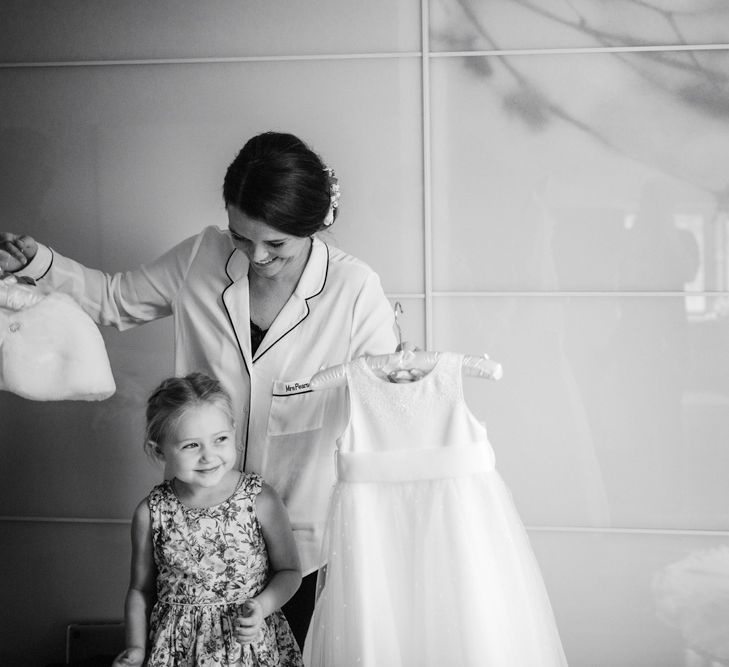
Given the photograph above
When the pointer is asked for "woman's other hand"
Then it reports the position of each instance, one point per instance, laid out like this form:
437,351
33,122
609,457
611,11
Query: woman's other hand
16,251
130,657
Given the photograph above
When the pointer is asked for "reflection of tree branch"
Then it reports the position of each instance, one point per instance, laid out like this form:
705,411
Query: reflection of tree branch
602,36
471,15
709,96
530,101
535,108
670,18
674,12
711,76
643,73
608,39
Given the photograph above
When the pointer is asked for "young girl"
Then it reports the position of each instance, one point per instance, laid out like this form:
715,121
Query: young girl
213,554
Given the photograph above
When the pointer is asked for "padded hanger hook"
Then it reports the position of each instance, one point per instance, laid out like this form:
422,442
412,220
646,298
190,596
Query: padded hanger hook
398,311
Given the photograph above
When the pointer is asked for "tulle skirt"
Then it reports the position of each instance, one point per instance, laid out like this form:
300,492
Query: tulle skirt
430,573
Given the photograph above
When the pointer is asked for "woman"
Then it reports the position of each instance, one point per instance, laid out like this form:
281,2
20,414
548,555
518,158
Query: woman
261,306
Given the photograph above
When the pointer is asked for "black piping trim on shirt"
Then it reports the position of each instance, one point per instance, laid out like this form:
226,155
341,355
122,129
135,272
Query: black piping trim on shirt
50,264
294,393
240,349
308,310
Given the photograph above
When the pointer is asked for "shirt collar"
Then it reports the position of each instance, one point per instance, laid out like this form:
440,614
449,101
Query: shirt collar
312,279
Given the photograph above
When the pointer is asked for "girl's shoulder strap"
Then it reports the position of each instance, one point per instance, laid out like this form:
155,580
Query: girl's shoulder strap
158,496
158,493
249,486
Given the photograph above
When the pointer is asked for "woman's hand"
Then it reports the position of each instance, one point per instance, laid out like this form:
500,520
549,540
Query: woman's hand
16,251
130,657
248,627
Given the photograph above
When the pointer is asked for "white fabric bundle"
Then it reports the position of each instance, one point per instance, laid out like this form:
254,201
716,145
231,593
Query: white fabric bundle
50,349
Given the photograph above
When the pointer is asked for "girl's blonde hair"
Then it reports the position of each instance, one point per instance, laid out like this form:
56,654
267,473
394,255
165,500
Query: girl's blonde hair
173,396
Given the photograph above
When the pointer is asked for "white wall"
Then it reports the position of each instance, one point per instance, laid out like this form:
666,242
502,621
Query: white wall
545,183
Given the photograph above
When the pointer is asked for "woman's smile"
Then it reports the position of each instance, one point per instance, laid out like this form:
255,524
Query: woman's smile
271,253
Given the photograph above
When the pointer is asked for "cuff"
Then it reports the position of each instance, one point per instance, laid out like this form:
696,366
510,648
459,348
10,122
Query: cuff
37,267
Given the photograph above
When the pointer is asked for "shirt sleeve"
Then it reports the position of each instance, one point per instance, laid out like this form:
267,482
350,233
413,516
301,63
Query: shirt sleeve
373,323
123,299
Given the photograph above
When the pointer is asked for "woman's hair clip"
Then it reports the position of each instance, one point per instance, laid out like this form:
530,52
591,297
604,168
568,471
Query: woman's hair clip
334,195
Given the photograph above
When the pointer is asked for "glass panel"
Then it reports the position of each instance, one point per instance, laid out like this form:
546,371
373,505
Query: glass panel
53,30
469,25
112,166
612,411
581,172
628,599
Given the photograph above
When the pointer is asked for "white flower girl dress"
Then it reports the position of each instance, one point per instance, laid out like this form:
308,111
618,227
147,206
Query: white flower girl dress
427,561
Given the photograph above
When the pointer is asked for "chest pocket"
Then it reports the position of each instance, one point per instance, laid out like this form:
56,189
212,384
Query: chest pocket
295,408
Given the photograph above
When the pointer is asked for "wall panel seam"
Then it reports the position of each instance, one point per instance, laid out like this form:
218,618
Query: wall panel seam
425,54
206,61
551,294
688,532
427,157
579,50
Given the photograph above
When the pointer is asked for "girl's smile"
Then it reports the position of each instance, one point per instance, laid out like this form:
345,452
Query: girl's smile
200,452
208,470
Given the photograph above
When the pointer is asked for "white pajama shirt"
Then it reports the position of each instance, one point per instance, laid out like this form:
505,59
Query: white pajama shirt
337,312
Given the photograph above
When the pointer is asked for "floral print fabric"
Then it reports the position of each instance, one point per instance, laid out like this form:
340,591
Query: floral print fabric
209,562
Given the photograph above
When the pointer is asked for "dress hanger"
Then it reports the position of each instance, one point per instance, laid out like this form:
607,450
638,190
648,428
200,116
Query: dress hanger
406,365
398,311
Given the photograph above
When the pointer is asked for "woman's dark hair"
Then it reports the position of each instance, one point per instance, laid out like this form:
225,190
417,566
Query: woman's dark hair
169,400
277,179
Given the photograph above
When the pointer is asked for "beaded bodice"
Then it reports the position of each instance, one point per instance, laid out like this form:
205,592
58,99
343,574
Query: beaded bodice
429,413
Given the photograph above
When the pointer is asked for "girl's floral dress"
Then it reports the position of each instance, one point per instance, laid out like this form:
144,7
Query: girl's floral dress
209,562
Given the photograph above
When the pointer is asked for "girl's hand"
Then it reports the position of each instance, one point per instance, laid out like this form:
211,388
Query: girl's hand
248,627
16,251
130,657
